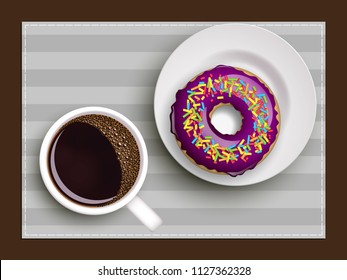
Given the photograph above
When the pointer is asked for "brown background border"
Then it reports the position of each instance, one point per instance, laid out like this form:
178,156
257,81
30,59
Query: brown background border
13,247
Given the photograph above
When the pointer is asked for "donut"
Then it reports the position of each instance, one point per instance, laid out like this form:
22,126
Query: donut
202,143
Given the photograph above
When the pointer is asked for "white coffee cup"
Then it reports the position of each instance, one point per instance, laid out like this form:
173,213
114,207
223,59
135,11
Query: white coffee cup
144,213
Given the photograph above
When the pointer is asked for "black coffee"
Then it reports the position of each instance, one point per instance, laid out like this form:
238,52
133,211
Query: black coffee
94,160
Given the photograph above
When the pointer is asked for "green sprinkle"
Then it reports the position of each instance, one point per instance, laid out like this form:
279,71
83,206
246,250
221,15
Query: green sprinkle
196,114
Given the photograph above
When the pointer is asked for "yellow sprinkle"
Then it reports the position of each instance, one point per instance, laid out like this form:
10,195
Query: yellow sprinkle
209,83
267,140
243,140
255,114
202,98
226,154
241,152
187,125
220,97
216,81
246,90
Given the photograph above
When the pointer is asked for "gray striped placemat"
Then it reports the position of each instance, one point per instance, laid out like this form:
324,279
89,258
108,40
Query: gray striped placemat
71,65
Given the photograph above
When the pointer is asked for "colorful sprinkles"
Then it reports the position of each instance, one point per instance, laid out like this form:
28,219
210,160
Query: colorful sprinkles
220,88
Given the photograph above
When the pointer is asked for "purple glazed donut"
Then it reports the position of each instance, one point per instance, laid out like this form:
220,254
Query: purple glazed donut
211,150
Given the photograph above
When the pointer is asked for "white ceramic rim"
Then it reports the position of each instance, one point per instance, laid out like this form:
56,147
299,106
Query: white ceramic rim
79,208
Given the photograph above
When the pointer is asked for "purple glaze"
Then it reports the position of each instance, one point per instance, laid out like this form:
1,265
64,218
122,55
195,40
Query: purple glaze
239,166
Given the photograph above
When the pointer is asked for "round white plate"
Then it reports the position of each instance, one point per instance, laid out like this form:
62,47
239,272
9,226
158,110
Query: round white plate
266,55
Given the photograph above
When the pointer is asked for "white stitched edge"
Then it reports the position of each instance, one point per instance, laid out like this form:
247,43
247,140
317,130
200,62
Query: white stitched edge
183,234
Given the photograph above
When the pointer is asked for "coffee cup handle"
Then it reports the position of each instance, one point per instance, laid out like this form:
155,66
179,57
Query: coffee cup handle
144,213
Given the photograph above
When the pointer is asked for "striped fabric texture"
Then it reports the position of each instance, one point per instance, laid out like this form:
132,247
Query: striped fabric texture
116,65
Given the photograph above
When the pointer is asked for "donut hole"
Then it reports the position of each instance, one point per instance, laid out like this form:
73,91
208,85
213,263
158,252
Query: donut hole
226,119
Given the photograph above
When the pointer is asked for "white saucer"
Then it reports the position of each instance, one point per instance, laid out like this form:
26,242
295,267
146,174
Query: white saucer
269,57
